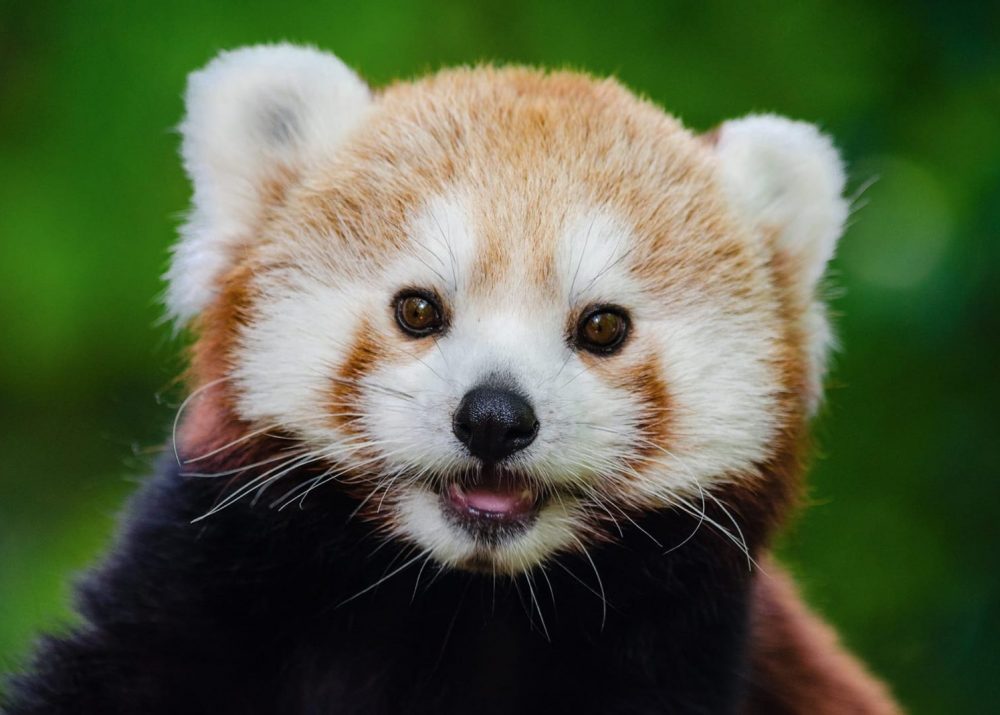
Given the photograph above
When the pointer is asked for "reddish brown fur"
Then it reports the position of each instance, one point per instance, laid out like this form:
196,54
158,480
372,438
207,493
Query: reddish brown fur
798,663
345,390
645,382
218,329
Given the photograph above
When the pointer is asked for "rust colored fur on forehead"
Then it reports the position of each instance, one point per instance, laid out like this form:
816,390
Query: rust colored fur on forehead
517,244
527,147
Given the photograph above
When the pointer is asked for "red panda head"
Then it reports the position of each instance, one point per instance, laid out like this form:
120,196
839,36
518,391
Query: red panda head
505,308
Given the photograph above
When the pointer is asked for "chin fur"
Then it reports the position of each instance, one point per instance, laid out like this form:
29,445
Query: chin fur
509,549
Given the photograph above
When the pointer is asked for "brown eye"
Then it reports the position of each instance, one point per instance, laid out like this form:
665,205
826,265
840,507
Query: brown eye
418,314
602,330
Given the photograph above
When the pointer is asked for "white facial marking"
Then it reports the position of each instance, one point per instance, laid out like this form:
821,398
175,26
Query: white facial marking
715,365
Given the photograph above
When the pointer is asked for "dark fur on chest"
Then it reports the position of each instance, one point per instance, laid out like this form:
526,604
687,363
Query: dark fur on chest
255,610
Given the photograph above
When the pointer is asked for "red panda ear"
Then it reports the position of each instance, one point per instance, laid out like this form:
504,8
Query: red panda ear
786,179
255,117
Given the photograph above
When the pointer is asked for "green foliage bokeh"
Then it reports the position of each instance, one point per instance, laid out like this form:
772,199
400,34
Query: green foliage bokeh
899,545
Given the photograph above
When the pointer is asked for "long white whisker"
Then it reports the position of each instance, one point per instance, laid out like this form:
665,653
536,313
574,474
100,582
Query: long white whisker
229,445
416,584
600,583
246,467
381,580
180,411
750,561
738,539
537,606
701,520
260,482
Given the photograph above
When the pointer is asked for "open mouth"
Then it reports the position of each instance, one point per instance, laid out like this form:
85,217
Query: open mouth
492,500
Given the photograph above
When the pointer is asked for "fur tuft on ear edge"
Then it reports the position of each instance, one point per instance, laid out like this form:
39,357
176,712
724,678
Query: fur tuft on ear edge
253,115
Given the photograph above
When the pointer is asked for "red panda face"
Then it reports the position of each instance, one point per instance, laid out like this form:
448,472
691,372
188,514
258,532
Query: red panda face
505,309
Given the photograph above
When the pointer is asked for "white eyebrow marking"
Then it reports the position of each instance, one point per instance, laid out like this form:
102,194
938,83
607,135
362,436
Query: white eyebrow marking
444,238
592,253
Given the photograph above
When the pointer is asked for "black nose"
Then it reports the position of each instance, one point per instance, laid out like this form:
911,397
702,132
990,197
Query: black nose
494,422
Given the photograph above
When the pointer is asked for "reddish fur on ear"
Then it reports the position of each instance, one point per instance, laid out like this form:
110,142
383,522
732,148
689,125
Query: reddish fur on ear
798,664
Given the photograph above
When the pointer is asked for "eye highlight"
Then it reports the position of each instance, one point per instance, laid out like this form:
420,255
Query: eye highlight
602,329
418,313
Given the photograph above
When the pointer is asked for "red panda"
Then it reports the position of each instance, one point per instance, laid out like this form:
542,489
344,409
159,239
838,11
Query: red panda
499,391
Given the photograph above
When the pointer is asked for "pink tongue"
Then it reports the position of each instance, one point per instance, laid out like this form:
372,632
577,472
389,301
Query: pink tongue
495,502
492,499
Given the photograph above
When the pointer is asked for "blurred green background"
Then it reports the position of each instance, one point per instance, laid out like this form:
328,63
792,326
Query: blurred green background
900,546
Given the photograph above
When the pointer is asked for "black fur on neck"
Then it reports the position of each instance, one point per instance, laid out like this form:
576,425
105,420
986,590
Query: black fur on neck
259,610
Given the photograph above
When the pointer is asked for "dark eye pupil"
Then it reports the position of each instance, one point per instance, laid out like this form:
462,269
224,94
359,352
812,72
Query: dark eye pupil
418,312
602,330
417,315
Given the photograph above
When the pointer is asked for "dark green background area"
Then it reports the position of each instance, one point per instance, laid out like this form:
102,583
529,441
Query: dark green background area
899,545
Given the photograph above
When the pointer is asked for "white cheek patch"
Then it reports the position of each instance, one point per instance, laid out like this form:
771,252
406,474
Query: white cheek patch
723,389
289,354
412,422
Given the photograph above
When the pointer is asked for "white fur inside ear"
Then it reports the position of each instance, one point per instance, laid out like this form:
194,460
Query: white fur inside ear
787,177
253,114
